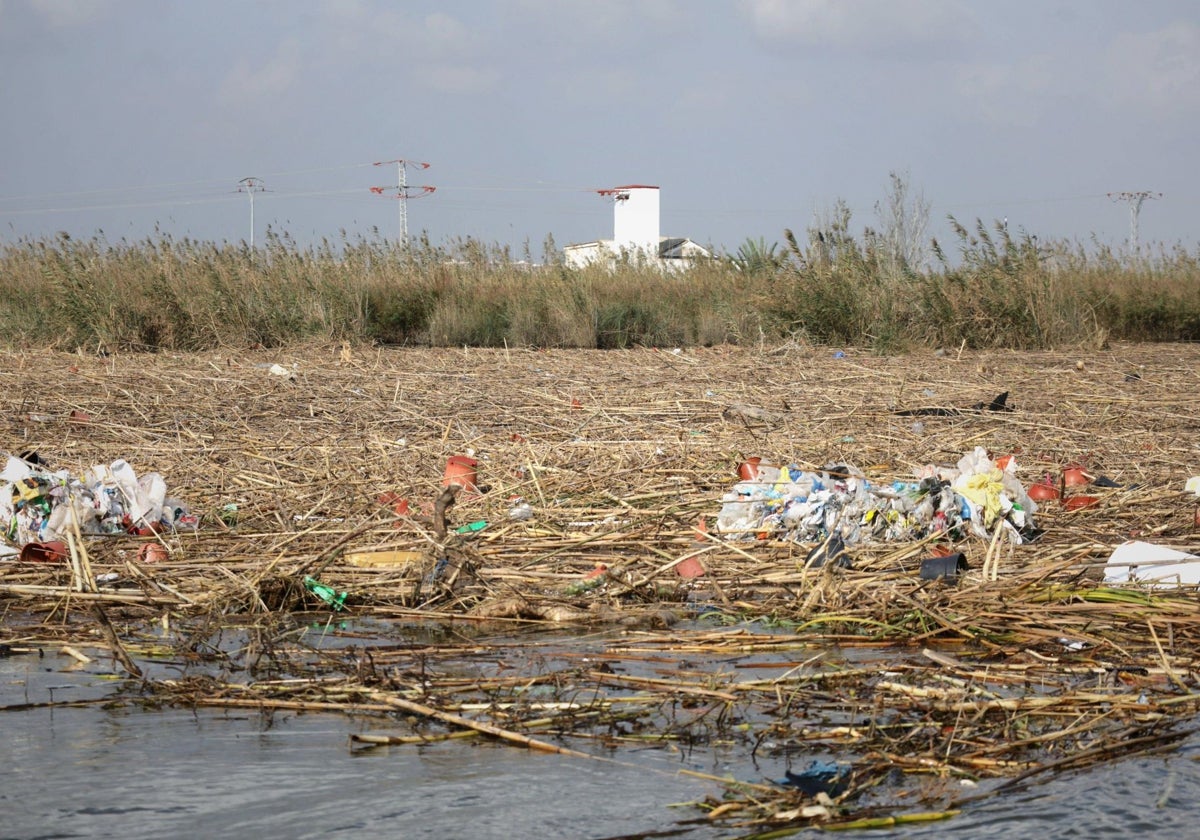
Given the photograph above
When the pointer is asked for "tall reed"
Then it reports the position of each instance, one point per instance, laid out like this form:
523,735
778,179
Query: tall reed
994,289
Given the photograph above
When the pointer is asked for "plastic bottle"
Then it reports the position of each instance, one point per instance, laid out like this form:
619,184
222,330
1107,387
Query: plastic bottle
326,593
127,482
153,492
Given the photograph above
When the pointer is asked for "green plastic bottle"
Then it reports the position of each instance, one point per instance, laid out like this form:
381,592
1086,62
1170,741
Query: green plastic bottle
326,593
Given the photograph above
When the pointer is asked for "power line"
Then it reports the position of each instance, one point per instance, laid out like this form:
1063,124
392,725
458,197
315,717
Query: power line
173,184
180,202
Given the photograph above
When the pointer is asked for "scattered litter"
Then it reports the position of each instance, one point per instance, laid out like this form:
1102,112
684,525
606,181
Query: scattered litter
383,559
607,522
999,403
832,550
1042,491
462,470
947,567
589,581
689,568
825,777
1076,477
44,552
328,594
391,499
153,552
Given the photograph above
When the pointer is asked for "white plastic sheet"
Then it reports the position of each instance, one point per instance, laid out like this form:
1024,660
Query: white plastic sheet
1144,562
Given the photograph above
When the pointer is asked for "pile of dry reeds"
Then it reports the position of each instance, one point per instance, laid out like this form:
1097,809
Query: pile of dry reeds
319,471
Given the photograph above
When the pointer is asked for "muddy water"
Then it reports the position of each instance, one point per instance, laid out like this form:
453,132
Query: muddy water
123,771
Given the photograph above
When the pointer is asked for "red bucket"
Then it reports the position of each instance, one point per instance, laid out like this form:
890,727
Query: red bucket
461,470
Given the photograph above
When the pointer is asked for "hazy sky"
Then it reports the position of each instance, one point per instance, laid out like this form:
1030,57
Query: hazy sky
752,116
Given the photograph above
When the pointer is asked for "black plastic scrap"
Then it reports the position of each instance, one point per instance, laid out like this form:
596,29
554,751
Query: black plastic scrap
946,568
1000,403
832,550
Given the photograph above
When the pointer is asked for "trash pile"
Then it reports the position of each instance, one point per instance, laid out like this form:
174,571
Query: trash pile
839,502
38,505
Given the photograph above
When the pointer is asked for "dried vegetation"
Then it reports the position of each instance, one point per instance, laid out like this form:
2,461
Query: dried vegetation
571,630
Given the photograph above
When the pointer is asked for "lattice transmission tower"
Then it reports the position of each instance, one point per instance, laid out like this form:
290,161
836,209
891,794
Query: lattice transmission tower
1135,198
404,191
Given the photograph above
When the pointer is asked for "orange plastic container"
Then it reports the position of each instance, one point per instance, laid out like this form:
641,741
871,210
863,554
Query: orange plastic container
44,552
463,471
748,469
152,552
1042,492
1076,477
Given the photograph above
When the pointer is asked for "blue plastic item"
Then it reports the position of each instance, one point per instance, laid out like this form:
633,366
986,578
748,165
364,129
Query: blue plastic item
819,777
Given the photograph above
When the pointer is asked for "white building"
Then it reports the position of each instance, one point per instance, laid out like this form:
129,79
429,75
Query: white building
635,234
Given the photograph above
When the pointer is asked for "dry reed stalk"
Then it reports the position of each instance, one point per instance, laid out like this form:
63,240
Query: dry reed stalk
486,728
1035,653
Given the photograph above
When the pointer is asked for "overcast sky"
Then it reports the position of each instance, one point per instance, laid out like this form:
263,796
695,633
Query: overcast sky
124,116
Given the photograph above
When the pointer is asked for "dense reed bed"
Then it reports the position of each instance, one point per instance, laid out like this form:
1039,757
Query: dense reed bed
563,624
991,289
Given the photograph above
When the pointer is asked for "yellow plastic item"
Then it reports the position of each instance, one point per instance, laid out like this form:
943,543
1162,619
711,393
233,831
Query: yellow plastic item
384,559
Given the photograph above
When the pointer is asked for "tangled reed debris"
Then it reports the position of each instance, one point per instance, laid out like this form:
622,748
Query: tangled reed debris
601,469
